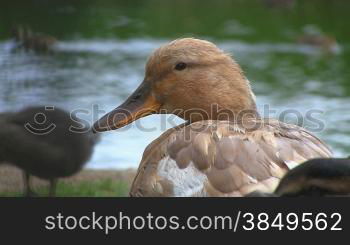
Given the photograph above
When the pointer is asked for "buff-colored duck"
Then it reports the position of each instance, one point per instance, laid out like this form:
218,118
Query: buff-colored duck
225,148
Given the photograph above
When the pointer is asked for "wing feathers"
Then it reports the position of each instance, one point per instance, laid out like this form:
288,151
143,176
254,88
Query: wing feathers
235,159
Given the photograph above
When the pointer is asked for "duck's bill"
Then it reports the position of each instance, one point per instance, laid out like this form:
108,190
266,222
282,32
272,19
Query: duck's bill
140,104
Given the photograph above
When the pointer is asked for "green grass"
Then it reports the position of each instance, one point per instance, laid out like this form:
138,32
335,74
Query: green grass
98,188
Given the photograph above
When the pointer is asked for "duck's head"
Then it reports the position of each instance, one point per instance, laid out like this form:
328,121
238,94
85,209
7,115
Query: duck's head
190,78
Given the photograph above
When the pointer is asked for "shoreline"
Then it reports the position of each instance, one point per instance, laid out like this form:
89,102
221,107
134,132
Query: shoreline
11,177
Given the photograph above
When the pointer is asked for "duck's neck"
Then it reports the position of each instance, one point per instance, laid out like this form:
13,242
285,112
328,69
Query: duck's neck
237,112
234,97
235,109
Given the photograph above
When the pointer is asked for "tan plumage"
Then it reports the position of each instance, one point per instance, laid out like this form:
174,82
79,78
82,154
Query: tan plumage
231,159
228,151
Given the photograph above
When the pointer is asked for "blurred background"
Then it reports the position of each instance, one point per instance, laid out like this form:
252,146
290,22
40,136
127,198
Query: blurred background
81,53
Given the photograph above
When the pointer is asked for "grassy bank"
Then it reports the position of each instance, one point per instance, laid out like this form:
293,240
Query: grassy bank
98,188
88,183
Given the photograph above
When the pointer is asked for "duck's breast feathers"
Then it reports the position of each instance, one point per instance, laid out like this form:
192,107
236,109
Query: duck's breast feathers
227,158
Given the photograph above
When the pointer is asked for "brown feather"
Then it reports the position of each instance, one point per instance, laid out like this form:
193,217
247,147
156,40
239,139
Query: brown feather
235,162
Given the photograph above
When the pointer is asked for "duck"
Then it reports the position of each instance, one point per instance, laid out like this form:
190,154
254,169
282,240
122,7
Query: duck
327,44
315,177
28,40
314,37
224,148
282,4
46,142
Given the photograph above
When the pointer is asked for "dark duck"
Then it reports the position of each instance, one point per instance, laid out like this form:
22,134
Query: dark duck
28,40
316,177
46,143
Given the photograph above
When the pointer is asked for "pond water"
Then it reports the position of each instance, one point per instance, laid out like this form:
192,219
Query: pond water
103,45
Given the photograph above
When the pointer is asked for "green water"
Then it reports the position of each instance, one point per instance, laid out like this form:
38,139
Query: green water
103,45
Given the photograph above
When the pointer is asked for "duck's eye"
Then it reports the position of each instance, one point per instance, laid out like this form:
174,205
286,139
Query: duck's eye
180,66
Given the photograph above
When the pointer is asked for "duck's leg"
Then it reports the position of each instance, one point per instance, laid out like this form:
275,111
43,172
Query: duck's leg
53,184
26,183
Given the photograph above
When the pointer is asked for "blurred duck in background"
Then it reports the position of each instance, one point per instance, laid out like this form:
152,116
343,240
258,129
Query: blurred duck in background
314,37
284,4
28,40
316,177
46,143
